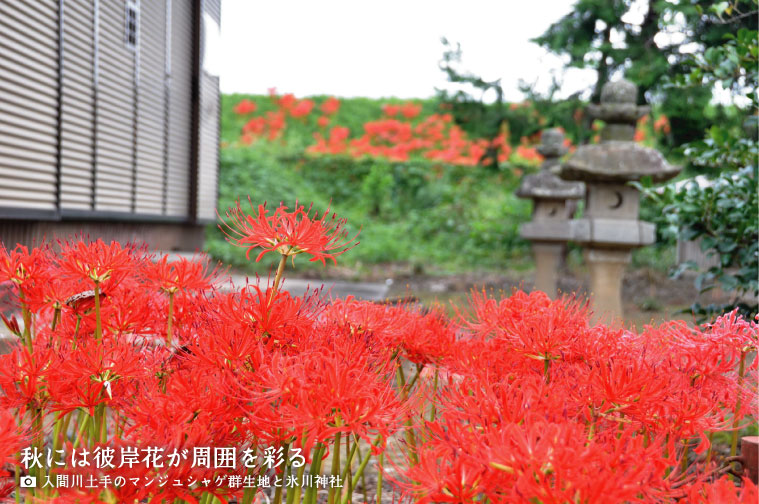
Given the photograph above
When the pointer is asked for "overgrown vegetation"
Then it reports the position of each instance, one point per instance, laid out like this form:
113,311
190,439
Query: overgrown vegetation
431,215
723,212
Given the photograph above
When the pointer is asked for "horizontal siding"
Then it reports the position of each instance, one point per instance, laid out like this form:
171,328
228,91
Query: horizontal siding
116,140
151,108
28,104
209,147
77,146
115,109
180,106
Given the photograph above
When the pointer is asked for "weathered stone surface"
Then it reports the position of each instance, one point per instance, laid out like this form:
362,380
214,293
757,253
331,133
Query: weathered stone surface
619,110
607,268
612,201
552,210
619,91
615,162
546,185
552,144
612,233
547,230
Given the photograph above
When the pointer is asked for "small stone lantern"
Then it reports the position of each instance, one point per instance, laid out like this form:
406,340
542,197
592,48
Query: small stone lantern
553,206
610,227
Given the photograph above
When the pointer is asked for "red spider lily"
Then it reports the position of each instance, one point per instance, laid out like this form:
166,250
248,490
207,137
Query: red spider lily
329,390
12,440
428,338
531,324
93,373
323,121
661,125
531,402
390,110
289,233
27,272
287,101
410,110
330,106
255,126
722,491
302,108
97,262
23,377
180,275
281,318
245,107
380,327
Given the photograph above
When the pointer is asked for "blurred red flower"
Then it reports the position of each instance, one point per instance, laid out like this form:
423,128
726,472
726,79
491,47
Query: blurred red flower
245,107
302,108
410,110
330,106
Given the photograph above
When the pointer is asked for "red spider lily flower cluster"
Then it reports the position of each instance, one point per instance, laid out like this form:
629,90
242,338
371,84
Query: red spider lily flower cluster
519,399
434,137
245,107
661,125
330,106
399,136
288,232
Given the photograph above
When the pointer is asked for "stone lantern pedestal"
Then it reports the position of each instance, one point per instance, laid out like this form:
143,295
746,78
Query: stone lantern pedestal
610,228
549,230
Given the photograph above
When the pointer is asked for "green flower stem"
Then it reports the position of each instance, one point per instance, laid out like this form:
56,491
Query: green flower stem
27,317
98,321
349,468
410,439
741,372
411,384
170,321
293,497
316,467
433,413
380,461
86,420
76,330
349,463
56,317
347,496
278,491
17,479
335,465
278,276
357,449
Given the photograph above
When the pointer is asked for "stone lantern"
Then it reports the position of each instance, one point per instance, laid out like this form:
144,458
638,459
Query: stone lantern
610,227
553,206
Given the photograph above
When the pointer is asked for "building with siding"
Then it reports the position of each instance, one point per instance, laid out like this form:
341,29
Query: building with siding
109,120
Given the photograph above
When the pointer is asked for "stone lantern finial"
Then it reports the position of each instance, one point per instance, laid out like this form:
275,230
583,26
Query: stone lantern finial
618,110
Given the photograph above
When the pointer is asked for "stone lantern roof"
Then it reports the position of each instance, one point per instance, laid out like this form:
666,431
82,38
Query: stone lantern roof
545,184
617,162
618,159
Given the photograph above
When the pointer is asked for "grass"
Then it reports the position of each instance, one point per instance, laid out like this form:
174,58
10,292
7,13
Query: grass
434,217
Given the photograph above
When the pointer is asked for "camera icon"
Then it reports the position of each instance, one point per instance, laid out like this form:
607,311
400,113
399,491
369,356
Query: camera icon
28,482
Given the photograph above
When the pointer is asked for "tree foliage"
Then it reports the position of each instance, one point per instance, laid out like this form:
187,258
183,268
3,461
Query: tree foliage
723,215
648,41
